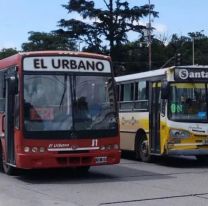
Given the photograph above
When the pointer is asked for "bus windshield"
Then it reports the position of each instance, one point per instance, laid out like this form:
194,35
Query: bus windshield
188,102
66,102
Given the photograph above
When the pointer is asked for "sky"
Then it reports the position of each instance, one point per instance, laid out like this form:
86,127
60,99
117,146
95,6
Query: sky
18,17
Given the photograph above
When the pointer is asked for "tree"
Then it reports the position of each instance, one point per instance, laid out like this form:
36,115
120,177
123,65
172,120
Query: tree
6,52
47,41
110,24
133,56
159,53
184,46
177,46
200,42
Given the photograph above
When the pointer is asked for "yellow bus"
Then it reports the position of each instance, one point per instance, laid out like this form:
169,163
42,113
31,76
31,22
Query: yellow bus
164,112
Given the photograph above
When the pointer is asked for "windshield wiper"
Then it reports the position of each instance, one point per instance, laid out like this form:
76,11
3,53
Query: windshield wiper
64,92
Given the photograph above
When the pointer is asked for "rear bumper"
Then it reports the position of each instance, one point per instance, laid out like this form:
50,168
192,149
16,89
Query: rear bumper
189,152
54,160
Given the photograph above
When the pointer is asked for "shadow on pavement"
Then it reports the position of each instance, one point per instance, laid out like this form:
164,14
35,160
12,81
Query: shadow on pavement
172,161
181,162
113,173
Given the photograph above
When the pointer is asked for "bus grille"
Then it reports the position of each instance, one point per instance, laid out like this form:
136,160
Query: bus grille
74,161
73,152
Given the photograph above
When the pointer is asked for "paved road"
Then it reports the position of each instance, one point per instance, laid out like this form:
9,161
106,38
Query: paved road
172,181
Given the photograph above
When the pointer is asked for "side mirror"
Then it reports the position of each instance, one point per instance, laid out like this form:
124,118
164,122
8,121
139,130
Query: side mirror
13,84
164,90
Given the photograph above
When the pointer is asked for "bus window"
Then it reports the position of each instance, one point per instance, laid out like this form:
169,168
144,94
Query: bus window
93,103
127,96
188,102
46,110
141,95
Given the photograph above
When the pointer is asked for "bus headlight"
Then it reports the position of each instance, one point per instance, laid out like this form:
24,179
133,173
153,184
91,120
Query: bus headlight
109,147
177,133
26,149
42,149
34,149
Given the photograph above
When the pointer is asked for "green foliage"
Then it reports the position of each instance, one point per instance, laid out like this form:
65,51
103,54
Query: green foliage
6,52
133,57
47,41
110,24
184,46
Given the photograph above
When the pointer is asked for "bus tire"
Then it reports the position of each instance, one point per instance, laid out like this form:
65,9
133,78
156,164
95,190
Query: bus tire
142,149
7,169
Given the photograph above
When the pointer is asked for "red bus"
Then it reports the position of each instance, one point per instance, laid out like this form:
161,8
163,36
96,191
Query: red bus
57,109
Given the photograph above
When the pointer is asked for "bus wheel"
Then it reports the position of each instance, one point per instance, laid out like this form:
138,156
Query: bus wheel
7,169
202,158
143,149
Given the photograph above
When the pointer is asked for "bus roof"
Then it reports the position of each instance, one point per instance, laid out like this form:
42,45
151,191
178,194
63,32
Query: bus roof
154,73
141,75
14,59
62,52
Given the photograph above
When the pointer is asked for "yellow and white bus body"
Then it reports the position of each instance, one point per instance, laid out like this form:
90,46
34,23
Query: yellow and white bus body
164,112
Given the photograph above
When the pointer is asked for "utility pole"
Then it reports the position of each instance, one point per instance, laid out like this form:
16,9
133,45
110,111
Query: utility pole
150,40
193,55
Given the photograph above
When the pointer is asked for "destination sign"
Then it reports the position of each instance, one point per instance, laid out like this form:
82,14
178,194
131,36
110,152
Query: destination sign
187,74
66,64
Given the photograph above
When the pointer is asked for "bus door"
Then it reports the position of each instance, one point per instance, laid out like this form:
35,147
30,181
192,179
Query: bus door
154,117
10,90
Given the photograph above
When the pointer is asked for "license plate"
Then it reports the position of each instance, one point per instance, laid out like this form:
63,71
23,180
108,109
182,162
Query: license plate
100,160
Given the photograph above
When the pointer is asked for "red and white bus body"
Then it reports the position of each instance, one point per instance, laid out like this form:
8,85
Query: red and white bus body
47,133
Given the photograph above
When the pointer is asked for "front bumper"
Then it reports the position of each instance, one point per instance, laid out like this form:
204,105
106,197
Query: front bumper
54,160
189,152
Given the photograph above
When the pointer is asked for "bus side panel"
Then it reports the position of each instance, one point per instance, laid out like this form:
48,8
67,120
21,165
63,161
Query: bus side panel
130,123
